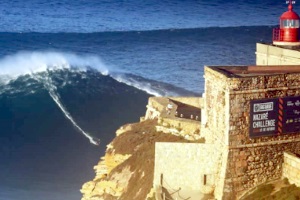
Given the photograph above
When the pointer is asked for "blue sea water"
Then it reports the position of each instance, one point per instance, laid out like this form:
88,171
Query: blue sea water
72,72
119,15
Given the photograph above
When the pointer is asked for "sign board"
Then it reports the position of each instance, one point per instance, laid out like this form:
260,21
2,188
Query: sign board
274,116
291,115
263,117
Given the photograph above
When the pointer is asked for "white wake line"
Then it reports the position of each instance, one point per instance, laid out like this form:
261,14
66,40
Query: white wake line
51,90
68,115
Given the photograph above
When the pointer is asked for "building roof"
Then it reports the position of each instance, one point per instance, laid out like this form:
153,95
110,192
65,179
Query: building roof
252,71
290,14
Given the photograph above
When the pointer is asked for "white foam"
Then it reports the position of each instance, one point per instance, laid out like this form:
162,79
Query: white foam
24,63
136,84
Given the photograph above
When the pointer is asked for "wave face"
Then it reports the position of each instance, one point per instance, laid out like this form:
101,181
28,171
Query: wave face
102,16
61,91
41,66
47,122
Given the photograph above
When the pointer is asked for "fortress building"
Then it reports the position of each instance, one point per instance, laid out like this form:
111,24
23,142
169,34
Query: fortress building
250,119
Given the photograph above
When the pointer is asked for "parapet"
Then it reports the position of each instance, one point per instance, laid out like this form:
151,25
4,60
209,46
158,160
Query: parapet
240,78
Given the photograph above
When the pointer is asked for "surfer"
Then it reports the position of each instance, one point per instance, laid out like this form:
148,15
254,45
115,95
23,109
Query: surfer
95,141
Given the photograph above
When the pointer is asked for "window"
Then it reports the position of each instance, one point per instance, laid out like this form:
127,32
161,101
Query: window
289,23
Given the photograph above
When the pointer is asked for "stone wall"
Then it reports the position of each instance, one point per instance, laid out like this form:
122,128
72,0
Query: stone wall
273,55
242,90
216,107
183,165
188,129
215,123
157,105
247,161
250,166
168,123
253,161
192,101
291,168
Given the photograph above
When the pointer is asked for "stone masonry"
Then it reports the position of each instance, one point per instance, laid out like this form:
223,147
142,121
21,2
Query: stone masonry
171,124
246,162
291,168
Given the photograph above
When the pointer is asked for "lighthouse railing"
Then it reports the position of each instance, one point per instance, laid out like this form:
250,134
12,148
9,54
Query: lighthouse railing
277,36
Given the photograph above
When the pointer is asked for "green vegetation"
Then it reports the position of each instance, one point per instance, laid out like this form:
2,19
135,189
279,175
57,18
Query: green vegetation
269,192
287,193
262,192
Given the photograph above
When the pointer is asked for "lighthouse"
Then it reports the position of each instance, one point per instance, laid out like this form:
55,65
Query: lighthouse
288,32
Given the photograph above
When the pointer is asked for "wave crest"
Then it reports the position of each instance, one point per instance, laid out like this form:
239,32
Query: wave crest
24,63
28,63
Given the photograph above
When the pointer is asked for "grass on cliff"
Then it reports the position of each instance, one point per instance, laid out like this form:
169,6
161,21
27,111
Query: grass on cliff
140,143
271,191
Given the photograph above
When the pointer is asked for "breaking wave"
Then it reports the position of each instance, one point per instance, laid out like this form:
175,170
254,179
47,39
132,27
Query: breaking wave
28,72
27,63
24,63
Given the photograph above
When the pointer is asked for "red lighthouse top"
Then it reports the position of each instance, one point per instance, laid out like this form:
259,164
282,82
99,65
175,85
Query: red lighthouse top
288,32
290,14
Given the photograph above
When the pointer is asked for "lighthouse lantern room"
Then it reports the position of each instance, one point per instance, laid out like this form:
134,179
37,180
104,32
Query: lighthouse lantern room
288,32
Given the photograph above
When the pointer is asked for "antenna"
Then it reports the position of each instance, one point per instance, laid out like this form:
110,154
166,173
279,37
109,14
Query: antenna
290,2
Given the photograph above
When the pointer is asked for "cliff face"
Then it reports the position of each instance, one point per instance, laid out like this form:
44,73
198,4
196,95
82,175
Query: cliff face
126,170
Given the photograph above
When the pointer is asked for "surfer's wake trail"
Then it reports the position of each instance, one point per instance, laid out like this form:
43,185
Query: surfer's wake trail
51,88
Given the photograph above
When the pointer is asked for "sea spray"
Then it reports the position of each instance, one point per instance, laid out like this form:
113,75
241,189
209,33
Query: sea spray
47,82
24,63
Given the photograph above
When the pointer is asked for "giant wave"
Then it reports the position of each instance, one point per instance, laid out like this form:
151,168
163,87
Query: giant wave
48,70
26,63
40,142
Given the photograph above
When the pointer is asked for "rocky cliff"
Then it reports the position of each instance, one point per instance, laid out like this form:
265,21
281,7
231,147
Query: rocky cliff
126,170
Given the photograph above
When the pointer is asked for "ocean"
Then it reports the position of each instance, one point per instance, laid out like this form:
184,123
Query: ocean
72,72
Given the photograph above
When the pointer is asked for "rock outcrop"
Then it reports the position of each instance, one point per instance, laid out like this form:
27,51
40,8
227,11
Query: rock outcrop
126,170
